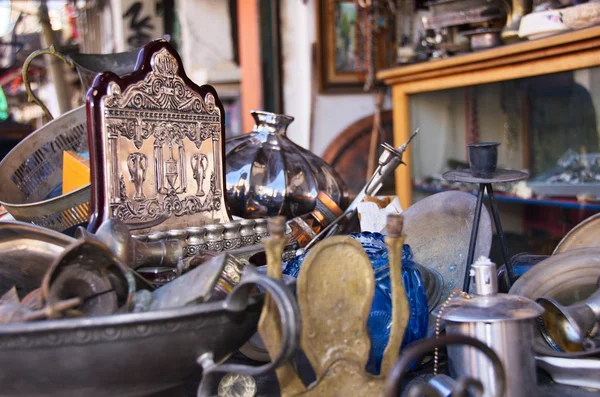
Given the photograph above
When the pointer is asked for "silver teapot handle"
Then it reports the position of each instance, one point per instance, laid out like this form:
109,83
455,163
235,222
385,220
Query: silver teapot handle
289,314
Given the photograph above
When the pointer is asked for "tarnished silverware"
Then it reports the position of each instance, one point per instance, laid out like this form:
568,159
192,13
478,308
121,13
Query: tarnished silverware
27,253
194,286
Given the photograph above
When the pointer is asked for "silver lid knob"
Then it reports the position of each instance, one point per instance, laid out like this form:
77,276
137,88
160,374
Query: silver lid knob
486,279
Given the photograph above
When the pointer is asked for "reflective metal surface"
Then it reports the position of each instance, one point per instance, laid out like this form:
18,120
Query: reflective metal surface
88,66
569,277
134,253
567,327
268,174
581,372
444,386
157,146
388,161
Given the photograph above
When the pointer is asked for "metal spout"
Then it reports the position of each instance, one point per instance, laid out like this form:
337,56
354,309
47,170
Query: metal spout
116,236
565,328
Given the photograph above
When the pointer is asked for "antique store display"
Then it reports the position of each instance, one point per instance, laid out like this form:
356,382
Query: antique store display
243,267
463,25
268,174
483,158
31,174
504,322
574,175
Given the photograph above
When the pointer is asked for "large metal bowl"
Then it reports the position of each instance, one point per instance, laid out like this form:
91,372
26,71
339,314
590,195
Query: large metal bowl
124,355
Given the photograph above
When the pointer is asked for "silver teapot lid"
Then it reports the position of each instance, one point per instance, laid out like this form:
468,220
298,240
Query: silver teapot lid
486,304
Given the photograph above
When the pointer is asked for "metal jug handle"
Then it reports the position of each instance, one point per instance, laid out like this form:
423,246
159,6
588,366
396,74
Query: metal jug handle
418,349
289,314
31,97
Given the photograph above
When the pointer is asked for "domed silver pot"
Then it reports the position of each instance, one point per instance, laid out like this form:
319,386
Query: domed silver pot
267,174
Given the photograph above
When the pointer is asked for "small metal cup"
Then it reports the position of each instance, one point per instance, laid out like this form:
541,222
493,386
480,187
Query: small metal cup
196,240
231,236
247,231
260,229
483,159
214,237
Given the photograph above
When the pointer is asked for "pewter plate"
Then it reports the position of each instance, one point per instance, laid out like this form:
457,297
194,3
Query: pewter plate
569,277
438,229
585,235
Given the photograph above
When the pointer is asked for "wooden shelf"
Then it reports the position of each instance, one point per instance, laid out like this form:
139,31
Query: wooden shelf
527,51
565,52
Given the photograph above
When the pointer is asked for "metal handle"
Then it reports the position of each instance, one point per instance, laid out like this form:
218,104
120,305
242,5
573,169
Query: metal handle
289,314
31,97
418,349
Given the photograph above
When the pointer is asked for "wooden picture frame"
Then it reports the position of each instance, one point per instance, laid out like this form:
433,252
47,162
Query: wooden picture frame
340,69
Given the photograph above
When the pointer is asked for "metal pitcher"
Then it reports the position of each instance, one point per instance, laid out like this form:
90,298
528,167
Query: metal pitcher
503,322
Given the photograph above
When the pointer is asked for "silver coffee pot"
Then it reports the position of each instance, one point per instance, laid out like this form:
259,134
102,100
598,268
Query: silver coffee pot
503,322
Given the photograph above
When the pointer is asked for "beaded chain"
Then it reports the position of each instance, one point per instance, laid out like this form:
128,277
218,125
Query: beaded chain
438,321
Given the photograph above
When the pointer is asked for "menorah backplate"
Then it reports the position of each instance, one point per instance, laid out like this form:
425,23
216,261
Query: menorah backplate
156,146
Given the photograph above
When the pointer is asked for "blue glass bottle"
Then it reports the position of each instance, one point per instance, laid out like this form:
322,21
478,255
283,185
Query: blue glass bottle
380,318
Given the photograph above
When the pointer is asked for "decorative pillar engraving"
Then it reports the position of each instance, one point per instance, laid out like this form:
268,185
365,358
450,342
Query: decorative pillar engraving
137,164
199,163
